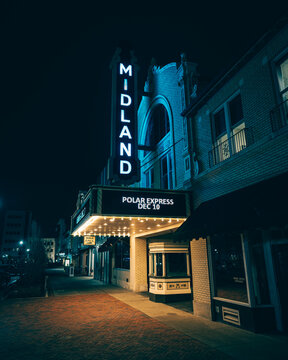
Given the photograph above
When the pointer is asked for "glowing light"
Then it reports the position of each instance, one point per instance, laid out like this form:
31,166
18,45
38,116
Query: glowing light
122,167
125,70
126,149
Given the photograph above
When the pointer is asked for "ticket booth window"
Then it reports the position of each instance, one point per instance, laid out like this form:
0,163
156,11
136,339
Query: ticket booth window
156,268
159,264
168,265
176,265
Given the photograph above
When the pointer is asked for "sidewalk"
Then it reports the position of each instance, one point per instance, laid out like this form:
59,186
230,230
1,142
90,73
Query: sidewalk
229,340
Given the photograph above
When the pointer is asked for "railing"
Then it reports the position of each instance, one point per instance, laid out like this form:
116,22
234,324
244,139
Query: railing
231,146
279,116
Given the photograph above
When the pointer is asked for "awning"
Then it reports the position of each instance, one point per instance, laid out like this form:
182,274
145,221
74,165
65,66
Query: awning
258,206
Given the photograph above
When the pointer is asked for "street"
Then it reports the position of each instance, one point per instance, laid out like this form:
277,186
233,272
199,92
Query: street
82,319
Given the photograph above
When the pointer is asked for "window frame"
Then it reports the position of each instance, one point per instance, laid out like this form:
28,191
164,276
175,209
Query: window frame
168,157
187,161
244,250
150,174
277,64
154,128
227,115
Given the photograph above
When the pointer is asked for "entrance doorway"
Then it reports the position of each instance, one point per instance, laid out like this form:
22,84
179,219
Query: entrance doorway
280,258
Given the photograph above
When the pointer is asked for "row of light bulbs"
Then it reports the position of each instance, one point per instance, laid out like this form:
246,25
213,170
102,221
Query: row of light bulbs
94,232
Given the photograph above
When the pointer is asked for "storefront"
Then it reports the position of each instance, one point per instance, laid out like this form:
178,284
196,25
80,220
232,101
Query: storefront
247,242
136,225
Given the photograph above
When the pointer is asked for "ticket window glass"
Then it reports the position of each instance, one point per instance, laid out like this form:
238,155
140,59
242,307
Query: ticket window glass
169,265
156,265
176,265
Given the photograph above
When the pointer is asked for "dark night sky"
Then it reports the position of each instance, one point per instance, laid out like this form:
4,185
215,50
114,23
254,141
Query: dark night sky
55,84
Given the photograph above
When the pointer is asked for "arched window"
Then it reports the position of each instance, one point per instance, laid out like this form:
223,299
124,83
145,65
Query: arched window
158,126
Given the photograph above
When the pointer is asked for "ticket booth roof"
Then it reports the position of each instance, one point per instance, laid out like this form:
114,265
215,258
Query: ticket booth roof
125,226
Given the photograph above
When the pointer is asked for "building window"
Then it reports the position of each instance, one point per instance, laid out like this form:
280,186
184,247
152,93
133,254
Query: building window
158,126
157,264
279,115
185,132
228,131
149,178
258,268
166,172
228,266
122,254
282,74
187,163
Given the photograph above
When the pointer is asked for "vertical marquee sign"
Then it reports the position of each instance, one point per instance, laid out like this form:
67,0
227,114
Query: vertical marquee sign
123,163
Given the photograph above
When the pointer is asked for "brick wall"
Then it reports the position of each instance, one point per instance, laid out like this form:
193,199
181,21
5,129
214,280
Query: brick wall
200,278
166,91
138,264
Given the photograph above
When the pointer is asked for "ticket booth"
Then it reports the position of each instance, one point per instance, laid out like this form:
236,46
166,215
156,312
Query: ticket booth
169,271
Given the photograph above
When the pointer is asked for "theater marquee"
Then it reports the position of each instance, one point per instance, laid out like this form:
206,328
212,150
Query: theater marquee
119,211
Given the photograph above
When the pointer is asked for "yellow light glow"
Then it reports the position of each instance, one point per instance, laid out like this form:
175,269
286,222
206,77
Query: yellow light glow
119,225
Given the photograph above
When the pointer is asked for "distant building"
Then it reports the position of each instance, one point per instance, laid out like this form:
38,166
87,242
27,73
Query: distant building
16,234
60,236
49,246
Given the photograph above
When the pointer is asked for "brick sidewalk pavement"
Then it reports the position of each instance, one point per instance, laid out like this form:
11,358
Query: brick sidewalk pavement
90,326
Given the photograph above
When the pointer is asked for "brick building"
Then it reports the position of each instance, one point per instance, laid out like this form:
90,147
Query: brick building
49,245
238,131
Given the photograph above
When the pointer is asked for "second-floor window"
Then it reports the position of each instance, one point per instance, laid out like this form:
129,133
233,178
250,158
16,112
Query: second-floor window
282,74
166,172
279,115
149,178
158,126
228,130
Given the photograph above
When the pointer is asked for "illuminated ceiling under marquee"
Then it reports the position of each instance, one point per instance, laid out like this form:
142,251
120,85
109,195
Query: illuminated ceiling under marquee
112,211
125,226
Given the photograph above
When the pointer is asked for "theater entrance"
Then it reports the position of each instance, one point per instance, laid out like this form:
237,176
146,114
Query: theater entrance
145,220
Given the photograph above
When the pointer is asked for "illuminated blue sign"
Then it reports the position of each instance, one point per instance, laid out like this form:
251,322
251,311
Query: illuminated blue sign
124,162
